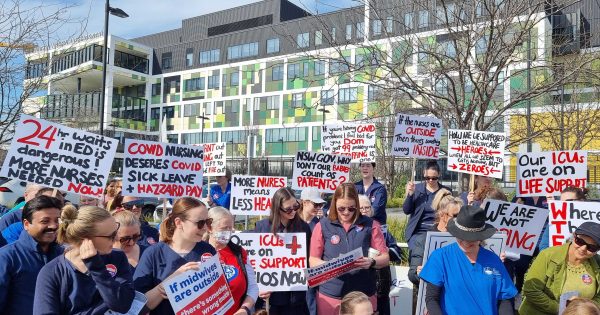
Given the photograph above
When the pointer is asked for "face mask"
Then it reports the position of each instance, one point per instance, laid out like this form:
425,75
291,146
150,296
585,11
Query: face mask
222,237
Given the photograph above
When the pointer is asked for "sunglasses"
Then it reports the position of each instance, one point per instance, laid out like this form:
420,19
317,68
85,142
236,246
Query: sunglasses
346,209
318,205
592,248
127,239
431,178
129,205
200,224
113,235
291,209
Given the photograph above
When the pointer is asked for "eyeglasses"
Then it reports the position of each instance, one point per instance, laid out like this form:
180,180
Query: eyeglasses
200,224
364,208
130,204
346,209
127,239
318,205
431,178
592,248
113,235
291,209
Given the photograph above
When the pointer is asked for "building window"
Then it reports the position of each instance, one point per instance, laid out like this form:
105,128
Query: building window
234,79
423,19
374,93
408,20
389,24
156,89
293,71
347,95
305,68
303,40
166,59
272,45
481,45
297,100
190,110
376,27
327,97
360,30
319,67
348,31
194,84
277,73
242,51
189,57
273,102
297,134
213,82
207,107
318,38
169,112
210,56
479,9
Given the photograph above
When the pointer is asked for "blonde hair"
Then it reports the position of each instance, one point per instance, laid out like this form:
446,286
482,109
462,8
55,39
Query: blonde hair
77,225
581,306
216,214
442,200
350,300
126,218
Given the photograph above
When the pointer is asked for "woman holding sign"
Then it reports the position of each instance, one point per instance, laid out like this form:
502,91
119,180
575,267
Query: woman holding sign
569,270
342,231
181,249
284,218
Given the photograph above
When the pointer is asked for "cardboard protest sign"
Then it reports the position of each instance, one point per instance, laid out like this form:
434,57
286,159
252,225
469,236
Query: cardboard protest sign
320,170
522,224
279,261
251,195
333,268
435,240
476,152
56,156
543,173
156,169
417,137
203,291
351,139
401,292
566,216
214,159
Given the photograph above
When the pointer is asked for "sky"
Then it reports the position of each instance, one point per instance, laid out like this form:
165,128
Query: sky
153,16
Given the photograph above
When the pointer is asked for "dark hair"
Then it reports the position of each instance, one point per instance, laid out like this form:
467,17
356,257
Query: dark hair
180,208
281,195
372,164
580,192
344,190
116,202
496,194
39,203
432,165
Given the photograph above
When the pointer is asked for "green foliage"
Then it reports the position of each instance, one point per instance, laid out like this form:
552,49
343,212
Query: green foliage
400,189
397,226
395,202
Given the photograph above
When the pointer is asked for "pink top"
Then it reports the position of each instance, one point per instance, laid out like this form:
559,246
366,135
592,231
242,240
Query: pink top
317,245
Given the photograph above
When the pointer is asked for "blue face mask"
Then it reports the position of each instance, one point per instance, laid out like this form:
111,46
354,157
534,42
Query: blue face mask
222,237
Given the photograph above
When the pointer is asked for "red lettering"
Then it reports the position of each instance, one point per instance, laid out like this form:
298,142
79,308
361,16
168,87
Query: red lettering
143,148
270,240
564,157
365,128
85,189
515,239
426,150
558,213
530,186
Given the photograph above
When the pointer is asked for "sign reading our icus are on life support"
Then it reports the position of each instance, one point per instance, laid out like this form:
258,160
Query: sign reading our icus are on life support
60,157
476,152
162,170
351,139
417,137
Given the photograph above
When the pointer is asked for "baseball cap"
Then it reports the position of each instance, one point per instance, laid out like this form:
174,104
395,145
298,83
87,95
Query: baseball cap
311,194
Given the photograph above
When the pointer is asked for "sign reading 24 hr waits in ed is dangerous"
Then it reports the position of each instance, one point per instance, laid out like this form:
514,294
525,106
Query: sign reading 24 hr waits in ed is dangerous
162,170
417,137
56,156
476,152
251,195
323,171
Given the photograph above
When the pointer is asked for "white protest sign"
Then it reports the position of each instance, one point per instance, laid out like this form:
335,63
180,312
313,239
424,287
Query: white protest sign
203,291
333,268
544,173
417,137
251,195
435,240
566,216
522,224
214,159
323,171
476,152
351,139
139,301
162,170
56,156
401,292
279,261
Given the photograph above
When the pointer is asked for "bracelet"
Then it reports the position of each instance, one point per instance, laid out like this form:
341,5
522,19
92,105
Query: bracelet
246,309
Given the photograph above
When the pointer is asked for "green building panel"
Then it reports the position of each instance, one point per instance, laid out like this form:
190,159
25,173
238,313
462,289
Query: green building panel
316,138
288,148
251,79
271,84
195,94
129,124
154,119
264,115
354,110
227,114
246,108
214,92
305,76
307,113
194,122
229,89
172,122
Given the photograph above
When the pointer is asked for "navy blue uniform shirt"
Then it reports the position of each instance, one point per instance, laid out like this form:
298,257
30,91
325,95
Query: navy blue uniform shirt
377,194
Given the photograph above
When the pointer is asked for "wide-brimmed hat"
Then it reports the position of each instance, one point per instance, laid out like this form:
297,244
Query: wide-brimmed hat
470,225
311,194
590,229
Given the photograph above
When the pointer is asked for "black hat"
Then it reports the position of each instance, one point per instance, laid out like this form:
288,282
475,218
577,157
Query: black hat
591,229
470,225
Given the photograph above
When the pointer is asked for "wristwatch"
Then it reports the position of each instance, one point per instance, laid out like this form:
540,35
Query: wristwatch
373,262
246,309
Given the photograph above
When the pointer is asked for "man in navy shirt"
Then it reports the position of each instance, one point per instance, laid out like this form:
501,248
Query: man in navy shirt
21,261
373,189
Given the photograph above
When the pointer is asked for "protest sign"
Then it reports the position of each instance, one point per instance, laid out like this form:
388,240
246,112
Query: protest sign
476,152
56,156
544,173
251,195
435,240
401,292
203,291
522,224
333,268
566,216
351,139
320,170
214,159
279,261
156,169
417,137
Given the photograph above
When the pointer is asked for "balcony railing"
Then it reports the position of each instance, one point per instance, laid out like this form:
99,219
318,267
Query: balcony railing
72,105
129,107
131,62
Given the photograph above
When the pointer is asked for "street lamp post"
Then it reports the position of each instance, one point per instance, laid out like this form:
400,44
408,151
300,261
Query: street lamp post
281,154
116,12
202,127
324,111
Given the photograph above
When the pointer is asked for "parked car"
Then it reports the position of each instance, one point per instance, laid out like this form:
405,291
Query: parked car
10,191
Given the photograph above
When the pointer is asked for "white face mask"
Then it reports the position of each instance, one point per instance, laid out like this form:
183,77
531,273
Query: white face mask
222,237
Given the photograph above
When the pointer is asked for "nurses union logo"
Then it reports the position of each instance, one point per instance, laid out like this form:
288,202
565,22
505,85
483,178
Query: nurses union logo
112,269
230,272
587,279
335,239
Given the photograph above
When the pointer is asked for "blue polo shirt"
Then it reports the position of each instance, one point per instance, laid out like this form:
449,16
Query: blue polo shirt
13,216
219,197
20,264
62,289
468,288
12,233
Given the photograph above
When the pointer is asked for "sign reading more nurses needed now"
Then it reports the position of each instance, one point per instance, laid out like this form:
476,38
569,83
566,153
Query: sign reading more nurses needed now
544,173
323,171
476,152
214,159
251,195
56,156
417,137
351,139
162,170
566,216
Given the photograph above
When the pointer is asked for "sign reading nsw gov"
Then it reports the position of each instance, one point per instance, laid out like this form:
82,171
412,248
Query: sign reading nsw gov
167,170
351,139
323,171
56,156
476,152
251,195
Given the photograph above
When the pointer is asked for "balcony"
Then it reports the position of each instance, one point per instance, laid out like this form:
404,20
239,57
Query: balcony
62,106
131,62
129,108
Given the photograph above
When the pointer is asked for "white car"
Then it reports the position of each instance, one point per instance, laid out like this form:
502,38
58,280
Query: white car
10,191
